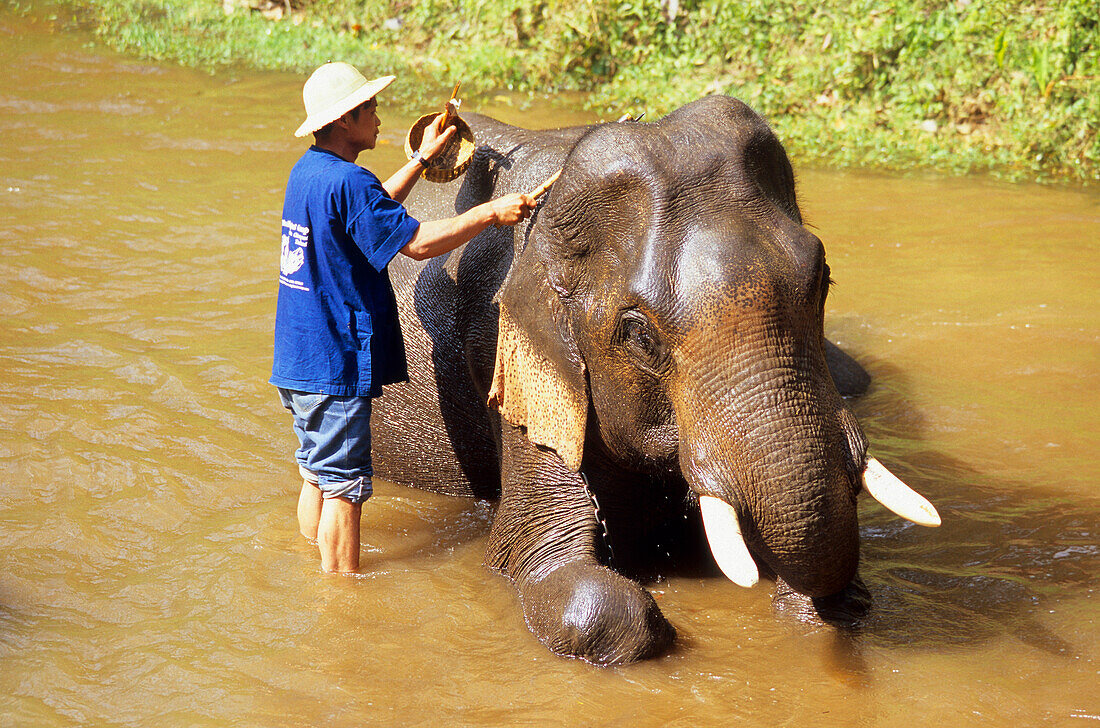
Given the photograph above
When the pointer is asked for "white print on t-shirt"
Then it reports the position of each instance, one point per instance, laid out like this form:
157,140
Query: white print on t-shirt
291,260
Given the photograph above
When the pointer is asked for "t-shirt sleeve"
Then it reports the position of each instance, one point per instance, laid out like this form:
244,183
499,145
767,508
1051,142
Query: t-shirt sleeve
378,224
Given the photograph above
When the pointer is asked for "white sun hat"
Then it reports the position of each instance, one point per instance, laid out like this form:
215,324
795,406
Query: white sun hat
333,90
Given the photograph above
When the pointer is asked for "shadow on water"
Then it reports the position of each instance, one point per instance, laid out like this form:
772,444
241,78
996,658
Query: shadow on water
985,571
984,574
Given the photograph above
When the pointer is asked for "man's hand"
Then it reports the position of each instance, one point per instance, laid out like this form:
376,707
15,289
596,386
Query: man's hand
432,144
436,138
511,209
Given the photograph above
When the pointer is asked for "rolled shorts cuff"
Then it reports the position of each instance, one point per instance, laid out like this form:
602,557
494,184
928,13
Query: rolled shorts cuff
357,490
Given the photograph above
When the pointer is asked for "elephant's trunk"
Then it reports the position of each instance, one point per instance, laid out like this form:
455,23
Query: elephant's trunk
779,457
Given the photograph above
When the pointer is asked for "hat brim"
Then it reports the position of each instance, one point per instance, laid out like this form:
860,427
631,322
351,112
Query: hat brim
333,112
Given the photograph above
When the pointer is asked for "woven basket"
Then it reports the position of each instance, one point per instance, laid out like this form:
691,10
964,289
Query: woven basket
455,158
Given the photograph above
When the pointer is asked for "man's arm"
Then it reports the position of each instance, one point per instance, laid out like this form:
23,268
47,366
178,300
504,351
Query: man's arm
437,237
400,184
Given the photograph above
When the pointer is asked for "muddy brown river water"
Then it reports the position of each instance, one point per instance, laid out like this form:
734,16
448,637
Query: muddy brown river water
150,568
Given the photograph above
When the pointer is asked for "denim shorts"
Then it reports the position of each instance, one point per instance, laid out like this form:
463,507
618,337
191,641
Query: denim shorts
334,437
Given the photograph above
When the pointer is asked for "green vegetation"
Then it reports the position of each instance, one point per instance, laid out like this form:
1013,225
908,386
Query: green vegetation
1006,86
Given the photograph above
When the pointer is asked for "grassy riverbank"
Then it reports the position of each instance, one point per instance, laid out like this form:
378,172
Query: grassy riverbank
1005,86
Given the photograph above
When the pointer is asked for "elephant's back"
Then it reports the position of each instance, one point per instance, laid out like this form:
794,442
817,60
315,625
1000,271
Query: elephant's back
493,132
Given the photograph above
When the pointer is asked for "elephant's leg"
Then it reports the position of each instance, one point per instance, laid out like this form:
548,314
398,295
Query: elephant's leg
544,537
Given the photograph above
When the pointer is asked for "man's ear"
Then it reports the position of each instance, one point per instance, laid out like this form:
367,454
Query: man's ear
539,380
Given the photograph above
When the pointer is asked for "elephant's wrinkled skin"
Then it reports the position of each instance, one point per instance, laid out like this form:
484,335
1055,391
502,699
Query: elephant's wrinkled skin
659,322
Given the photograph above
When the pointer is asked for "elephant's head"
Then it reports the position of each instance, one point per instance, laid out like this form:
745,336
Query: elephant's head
669,299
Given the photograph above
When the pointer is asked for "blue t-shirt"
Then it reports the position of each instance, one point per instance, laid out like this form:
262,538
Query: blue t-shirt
336,326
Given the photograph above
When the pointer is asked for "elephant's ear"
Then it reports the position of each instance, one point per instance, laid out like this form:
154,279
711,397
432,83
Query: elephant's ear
539,379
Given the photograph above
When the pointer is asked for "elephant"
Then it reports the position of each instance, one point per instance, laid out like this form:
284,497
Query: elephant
638,372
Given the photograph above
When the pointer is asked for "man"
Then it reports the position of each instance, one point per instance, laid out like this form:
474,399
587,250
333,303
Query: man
337,336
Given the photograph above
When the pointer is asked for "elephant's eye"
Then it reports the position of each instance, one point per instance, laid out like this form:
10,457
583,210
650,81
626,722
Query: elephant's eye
637,335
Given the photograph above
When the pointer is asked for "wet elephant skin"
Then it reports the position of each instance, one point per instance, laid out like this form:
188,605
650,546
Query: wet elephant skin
653,334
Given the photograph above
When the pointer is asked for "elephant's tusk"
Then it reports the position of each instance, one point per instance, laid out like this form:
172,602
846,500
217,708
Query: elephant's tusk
726,542
885,487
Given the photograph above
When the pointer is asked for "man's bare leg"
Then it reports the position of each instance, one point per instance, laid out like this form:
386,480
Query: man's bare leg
309,510
338,535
